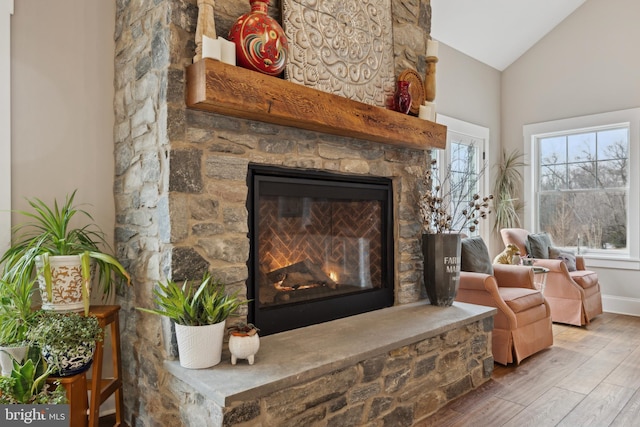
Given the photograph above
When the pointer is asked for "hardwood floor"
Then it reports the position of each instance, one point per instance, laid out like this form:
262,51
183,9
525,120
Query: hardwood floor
590,377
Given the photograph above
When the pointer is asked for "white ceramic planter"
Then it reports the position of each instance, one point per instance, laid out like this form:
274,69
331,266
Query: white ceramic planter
243,347
200,346
66,281
7,354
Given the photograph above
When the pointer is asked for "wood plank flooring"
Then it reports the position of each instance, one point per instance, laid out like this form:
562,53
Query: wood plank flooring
590,377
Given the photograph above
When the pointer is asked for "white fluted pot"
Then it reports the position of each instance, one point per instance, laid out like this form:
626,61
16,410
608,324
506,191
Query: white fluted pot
200,347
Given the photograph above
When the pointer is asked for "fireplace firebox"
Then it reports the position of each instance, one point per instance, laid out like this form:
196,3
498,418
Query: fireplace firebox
321,246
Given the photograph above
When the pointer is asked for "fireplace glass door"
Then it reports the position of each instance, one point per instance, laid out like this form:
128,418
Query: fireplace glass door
321,247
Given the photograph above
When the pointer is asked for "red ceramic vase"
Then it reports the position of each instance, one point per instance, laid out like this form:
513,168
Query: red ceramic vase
402,97
261,44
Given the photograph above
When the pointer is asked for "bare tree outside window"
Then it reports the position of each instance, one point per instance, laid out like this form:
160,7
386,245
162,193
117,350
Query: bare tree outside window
583,188
460,171
459,185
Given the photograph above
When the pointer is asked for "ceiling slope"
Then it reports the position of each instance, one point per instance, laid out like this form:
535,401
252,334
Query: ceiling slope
496,32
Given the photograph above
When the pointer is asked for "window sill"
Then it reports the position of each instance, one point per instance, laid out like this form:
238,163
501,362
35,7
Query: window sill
613,262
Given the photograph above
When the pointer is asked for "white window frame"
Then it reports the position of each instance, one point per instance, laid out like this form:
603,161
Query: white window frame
629,259
6,10
480,135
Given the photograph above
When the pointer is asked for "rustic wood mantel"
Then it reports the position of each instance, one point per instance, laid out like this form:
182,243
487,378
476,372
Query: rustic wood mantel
234,91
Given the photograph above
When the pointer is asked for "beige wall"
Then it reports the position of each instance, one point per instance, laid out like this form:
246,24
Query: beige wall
588,64
469,90
62,103
6,10
62,108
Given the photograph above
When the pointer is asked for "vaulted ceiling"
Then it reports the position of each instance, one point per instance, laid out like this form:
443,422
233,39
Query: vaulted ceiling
496,32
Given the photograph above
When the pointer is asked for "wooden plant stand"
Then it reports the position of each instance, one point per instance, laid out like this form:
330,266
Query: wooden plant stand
101,388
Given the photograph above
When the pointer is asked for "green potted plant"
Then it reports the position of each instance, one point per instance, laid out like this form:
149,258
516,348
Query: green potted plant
244,342
506,187
26,384
66,340
62,254
16,317
199,311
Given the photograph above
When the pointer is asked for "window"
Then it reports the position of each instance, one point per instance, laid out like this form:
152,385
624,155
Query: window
583,188
464,156
579,183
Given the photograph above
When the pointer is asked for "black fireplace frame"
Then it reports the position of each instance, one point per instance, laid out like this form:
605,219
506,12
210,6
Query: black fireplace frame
271,319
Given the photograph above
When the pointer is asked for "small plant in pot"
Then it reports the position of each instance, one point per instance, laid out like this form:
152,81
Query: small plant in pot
16,318
62,255
66,341
506,188
199,311
242,329
244,342
26,384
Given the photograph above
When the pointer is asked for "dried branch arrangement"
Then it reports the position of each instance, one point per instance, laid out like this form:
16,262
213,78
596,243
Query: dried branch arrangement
443,206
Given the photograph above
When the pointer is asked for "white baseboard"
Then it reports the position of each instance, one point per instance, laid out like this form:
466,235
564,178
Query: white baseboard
613,304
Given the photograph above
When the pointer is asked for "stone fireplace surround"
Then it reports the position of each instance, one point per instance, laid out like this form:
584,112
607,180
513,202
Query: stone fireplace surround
217,239
181,190
215,159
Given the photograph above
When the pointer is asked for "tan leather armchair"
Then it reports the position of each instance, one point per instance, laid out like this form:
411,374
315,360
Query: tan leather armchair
522,325
574,296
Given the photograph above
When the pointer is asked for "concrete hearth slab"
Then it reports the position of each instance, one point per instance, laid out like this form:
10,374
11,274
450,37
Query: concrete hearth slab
292,357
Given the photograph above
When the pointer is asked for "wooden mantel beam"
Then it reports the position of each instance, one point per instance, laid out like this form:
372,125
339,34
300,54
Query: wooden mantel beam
234,91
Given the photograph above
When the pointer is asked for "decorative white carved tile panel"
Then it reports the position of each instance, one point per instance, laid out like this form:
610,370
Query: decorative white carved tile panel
344,47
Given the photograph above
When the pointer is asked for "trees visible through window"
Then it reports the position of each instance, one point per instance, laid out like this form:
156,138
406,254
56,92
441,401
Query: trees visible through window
464,164
465,184
583,186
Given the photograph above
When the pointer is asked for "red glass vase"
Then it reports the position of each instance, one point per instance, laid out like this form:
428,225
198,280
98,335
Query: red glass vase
402,97
261,44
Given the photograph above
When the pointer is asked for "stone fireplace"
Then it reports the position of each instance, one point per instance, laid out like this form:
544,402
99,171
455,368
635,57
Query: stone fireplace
182,196
208,182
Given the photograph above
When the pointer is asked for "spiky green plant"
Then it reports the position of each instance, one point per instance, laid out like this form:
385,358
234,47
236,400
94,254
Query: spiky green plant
49,232
191,305
508,180
26,385
16,312
188,305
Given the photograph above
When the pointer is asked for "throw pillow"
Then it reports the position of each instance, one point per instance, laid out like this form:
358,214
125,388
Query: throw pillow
554,252
539,245
568,257
474,256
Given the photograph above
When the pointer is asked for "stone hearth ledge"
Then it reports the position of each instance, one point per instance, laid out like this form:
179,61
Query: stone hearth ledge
293,357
